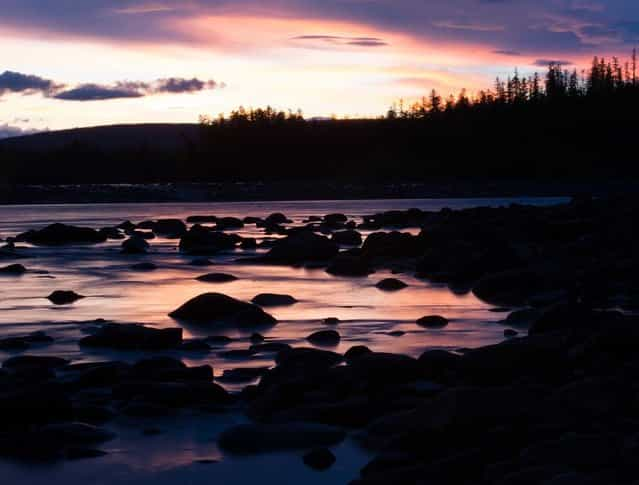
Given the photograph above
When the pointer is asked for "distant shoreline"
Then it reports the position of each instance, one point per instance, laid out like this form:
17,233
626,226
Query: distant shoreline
303,190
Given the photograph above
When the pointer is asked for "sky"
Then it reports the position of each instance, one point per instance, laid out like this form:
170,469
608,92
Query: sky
70,63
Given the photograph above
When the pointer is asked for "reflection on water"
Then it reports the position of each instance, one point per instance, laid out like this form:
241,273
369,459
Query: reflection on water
115,292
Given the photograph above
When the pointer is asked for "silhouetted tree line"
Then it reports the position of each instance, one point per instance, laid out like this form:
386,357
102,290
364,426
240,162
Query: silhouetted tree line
561,124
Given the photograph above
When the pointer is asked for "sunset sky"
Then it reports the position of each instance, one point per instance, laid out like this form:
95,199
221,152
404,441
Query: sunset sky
68,63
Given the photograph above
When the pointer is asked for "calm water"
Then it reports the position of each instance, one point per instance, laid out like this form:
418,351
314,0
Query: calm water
114,292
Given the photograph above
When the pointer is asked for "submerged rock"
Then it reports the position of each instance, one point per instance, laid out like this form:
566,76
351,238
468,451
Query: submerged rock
135,245
216,278
301,246
13,270
133,336
391,284
262,438
324,337
212,307
64,297
58,234
433,321
273,299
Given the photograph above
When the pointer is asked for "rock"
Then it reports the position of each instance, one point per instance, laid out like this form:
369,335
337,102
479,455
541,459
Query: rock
308,358
252,220
169,227
203,240
111,233
201,262
509,333
270,347
126,226
262,438
347,238
396,333
324,337
349,264
301,246
332,321
218,340
356,352
272,299
515,286
195,345
34,361
277,218
24,343
391,284
135,245
335,219
242,375
75,433
319,459
201,219
388,245
238,354
248,243
64,297
216,278
439,364
13,270
256,338
225,223
147,266
59,234
574,317
134,336
211,307
432,321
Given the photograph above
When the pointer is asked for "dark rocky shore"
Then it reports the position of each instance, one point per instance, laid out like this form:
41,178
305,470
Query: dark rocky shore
555,403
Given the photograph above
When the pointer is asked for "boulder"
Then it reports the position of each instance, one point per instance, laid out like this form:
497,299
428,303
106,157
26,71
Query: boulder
225,223
277,218
262,438
169,227
203,240
211,307
135,245
13,270
146,266
347,238
133,336
242,375
324,337
301,246
350,264
201,219
58,234
273,299
356,352
64,297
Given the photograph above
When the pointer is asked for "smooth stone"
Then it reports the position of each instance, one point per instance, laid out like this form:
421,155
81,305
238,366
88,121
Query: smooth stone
331,321
211,307
242,374
391,284
134,336
13,270
135,245
324,337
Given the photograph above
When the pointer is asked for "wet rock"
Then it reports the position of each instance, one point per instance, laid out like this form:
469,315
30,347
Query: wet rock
64,297
212,307
135,245
432,321
387,245
347,238
391,284
335,219
168,369
112,233
126,226
300,247
397,333
202,240
133,336
75,433
439,365
509,333
270,347
218,340
273,299
304,357
201,262
248,243
195,345
252,220
13,270
59,234
25,342
256,338
216,278
238,354
324,337
332,321
262,438
173,395
146,266
319,459
515,286
242,375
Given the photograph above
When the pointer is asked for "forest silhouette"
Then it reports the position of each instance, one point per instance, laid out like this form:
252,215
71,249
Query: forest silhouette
560,124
